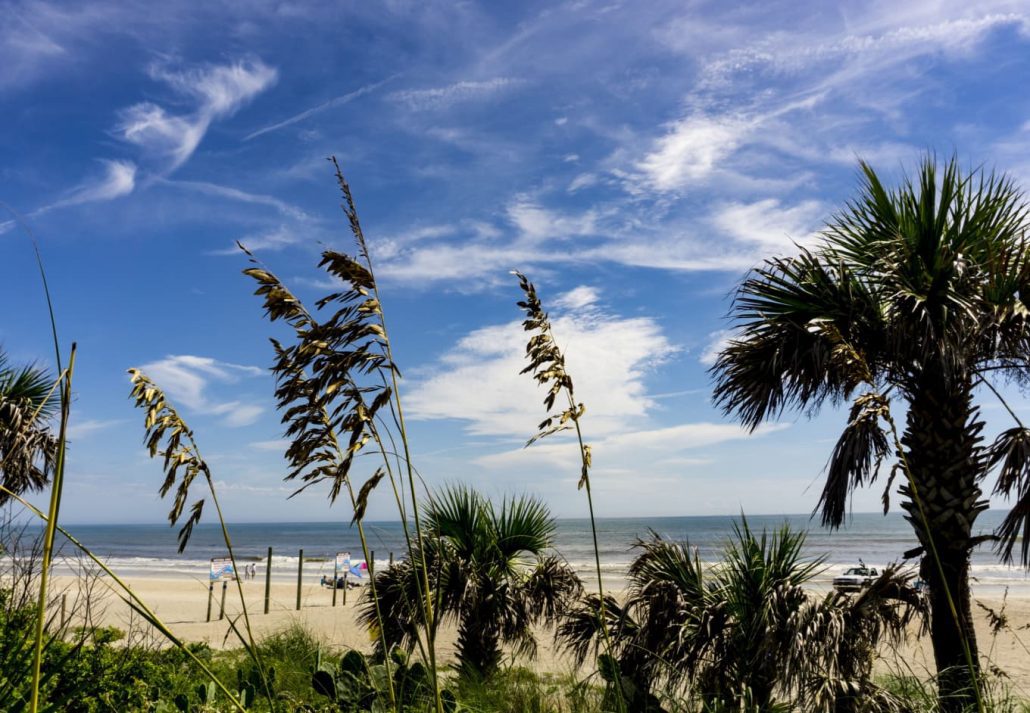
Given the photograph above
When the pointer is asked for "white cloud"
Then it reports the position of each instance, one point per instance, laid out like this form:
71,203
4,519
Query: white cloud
717,341
609,357
268,240
478,253
83,429
330,104
629,450
770,224
535,223
213,189
188,379
275,444
768,96
218,91
691,149
443,97
119,179
578,298
583,180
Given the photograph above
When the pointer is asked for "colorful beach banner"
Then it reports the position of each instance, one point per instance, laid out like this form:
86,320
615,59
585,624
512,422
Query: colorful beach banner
221,568
346,565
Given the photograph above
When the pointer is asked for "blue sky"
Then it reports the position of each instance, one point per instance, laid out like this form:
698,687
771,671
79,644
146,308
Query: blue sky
633,158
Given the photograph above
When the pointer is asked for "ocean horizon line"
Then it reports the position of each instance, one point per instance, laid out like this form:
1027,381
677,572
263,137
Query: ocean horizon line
397,521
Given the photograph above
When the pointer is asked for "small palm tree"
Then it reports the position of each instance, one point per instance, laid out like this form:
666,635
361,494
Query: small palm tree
28,448
840,639
493,576
743,635
919,295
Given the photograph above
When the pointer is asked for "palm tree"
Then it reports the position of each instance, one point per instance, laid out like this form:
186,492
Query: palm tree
915,295
743,635
28,449
493,576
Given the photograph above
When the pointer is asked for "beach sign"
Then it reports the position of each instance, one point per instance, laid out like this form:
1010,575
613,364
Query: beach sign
342,561
221,568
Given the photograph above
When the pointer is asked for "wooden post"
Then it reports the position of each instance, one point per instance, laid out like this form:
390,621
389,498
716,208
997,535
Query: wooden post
268,580
221,609
210,599
64,610
391,559
344,589
336,573
300,575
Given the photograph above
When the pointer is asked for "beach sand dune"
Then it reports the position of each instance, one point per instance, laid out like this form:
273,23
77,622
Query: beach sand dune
182,605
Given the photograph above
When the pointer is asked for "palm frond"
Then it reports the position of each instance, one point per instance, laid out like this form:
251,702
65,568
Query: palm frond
523,525
856,458
1011,451
792,316
28,447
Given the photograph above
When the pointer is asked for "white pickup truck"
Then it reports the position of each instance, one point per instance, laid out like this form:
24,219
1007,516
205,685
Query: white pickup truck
855,579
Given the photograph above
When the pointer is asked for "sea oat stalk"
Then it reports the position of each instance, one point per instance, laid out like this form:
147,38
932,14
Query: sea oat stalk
547,367
168,436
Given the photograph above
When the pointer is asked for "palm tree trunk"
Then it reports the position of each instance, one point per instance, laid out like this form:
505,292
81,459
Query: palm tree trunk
942,451
478,645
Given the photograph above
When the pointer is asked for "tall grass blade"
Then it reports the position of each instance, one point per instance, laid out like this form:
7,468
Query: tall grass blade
56,489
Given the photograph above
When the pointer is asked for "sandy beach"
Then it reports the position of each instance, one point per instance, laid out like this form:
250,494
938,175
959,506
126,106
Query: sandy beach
182,605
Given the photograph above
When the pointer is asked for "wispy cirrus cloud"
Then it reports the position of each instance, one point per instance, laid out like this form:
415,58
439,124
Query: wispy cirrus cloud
219,191
770,223
84,429
811,81
446,96
631,450
339,101
217,91
717,341
167,140
117,179
188,380
691,149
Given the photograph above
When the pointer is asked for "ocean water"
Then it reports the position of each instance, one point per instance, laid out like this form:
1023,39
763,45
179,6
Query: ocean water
150,550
